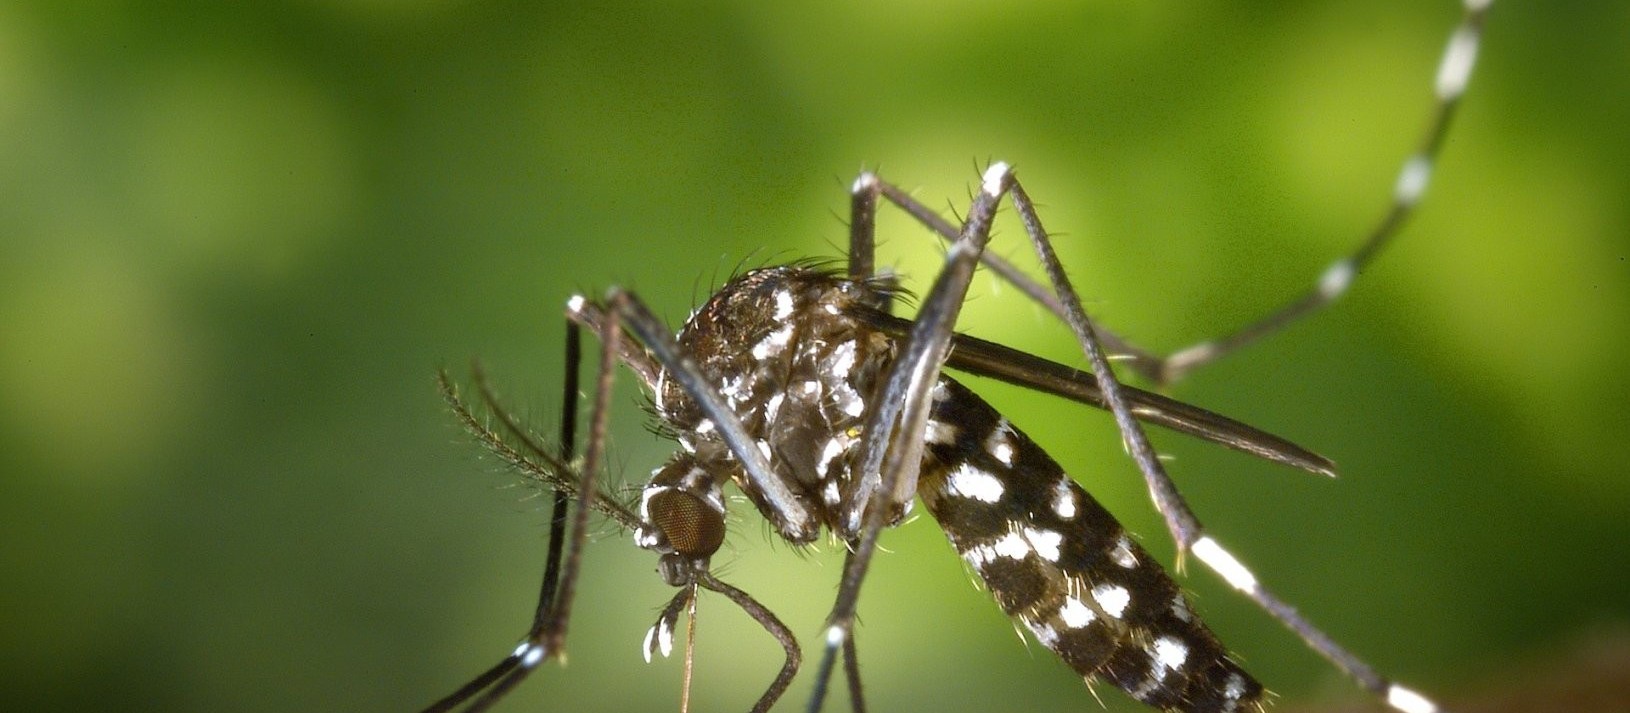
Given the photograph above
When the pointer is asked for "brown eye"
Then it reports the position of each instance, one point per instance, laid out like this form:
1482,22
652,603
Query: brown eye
691,526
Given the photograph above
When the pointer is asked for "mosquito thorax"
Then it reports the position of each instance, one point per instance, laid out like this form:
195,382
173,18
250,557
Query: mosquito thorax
782,347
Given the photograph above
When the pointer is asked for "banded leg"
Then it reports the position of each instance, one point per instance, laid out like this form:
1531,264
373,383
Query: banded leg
546,638
885,480
1185,528
1453,74
935,323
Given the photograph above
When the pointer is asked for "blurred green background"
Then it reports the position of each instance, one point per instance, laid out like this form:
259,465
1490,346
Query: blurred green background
239,239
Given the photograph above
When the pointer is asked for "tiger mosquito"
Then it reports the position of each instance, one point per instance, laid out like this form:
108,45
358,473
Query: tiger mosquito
797,384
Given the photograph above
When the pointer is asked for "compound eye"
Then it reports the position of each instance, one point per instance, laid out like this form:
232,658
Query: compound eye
691,526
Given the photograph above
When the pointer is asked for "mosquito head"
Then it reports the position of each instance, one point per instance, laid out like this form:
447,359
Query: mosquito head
681,518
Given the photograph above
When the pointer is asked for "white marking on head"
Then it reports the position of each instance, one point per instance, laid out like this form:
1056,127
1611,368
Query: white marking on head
783,304
1113,598
1409,701
1412,181
970,482
1045,542
940,432
994,177
1335,279
644,538
1169,654
1218,559
1122,553
1075,613
647,493
1458,61
1063,499
863,182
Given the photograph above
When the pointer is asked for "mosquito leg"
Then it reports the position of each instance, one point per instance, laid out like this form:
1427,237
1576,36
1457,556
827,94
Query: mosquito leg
772,624
547,637
851,672
892,452
1454,72
1011,274
863,226
1180,520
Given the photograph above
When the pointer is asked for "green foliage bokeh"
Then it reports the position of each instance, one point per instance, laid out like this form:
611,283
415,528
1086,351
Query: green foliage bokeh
239,238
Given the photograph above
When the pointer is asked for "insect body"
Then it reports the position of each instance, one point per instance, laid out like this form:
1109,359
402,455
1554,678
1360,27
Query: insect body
783,346
798,385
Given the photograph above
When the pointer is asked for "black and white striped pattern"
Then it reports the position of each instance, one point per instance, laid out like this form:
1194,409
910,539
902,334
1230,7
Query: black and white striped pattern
1057,561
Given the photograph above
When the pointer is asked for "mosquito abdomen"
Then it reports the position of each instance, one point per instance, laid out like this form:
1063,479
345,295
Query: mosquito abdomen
1056,560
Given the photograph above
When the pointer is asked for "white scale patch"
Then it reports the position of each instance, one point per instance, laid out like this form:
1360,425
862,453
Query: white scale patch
1180,609
1112,598
843,359
1458,61
1168,654
1409,701
1000,443
1045,542
940,432
1064,500
1075,613
850,401
534,654
970,482
1012,546
1224,564
1122,554
1045,634
783,304
773,344
835,447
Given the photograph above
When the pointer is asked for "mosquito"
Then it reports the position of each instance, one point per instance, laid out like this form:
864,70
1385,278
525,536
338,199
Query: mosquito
798,385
